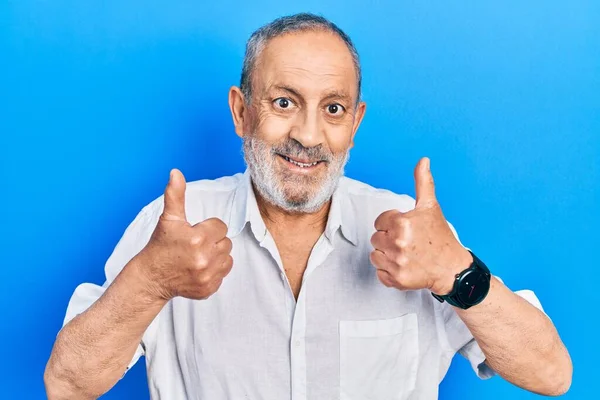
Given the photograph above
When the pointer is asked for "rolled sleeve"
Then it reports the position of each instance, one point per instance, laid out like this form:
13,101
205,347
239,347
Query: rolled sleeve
473,353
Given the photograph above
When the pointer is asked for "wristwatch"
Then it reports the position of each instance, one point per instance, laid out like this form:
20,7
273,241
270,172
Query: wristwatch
470,286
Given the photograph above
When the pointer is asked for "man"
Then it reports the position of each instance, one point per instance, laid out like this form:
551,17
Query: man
290,280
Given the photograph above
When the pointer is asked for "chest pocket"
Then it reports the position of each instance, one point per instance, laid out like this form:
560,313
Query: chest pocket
379,358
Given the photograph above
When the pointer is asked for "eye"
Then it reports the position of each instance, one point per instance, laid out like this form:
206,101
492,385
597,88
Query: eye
283,103
335,109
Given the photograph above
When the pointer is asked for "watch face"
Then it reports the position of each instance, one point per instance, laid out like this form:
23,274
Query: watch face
473,287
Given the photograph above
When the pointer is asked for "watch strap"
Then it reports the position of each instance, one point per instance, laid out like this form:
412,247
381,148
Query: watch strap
452,298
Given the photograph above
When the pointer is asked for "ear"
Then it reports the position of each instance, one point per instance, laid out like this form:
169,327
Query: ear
358,117
238,109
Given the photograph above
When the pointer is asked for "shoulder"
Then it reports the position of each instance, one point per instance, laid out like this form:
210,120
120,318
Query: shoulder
205,198
223,186
363,203
368,198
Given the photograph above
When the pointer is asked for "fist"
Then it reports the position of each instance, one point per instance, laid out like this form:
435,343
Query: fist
182,259
417,249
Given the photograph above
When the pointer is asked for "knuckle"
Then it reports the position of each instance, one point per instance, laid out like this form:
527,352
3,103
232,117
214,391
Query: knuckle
401,242
197,239
204,280
403,277
201,260
401,260
403,222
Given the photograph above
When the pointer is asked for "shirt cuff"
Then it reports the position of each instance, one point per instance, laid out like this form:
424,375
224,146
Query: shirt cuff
472,352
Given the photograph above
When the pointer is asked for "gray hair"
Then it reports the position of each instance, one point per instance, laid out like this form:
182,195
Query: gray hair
289,24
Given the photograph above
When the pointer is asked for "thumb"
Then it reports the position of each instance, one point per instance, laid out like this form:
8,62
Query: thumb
175,197
424,186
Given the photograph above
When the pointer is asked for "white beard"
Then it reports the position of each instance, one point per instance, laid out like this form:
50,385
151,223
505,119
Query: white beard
260,159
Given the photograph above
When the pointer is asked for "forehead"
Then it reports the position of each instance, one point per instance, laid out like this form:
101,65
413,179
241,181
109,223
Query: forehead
312,61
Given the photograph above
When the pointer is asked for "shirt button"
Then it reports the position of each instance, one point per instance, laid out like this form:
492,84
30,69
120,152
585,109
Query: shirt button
297,343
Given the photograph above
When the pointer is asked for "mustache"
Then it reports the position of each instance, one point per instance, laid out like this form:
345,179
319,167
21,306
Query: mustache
293,148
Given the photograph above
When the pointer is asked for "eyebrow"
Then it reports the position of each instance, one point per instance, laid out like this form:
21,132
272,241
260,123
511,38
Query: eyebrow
336,94
333,94
287,89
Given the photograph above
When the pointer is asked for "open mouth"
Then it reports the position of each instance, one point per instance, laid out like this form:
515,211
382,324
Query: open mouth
300,163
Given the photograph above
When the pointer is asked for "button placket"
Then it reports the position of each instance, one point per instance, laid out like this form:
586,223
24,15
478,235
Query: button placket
298,339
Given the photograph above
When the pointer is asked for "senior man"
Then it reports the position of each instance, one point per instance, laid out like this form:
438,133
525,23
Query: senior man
290,281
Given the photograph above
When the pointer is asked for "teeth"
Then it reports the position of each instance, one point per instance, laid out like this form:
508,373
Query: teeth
303,165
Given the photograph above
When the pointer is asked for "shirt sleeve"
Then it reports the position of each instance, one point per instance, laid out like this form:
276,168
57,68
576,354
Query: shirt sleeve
134,239
461,340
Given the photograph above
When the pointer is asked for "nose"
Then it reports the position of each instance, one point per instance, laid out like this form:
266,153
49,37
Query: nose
309,130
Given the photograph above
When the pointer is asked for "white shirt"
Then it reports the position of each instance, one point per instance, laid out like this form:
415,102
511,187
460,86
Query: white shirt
347,337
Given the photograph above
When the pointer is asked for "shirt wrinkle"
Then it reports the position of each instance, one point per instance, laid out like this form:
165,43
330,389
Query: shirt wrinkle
253,340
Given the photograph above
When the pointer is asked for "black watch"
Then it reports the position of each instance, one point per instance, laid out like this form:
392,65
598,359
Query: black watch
470,286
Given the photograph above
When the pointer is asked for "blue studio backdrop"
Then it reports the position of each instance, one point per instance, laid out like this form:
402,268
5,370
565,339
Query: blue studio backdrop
99,100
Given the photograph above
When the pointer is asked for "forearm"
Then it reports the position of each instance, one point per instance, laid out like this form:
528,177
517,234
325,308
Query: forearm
520,343
92,351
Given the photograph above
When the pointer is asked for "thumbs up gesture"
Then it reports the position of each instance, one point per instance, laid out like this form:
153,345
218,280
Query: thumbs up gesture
182,259
417,249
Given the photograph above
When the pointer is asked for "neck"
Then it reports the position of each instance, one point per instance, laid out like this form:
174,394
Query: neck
278,219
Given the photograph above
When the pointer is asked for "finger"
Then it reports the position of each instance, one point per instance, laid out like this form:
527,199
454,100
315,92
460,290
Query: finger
224,245
217,260
380,240
385,278
424,186
174,197
227,265
381,261
213,287
389,246
213,227
385,221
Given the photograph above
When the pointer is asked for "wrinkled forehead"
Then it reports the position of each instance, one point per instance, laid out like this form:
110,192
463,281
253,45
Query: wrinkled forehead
314,63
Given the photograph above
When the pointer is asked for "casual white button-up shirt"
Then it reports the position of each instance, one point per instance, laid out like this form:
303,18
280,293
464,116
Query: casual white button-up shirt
347,336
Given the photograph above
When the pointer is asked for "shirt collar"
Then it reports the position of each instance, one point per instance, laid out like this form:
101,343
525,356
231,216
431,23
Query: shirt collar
340,215
245,210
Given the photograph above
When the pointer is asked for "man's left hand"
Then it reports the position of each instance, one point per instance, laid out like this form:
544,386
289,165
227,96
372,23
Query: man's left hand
417,249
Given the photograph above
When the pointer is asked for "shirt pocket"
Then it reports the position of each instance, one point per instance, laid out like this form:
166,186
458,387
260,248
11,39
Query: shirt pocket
379,359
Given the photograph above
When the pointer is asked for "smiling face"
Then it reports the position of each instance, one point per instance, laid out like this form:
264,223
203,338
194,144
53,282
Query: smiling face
300,123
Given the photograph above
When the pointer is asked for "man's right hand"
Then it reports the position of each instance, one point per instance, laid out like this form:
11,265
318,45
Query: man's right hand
181,259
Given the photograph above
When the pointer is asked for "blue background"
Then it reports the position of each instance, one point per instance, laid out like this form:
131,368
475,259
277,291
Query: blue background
98,100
